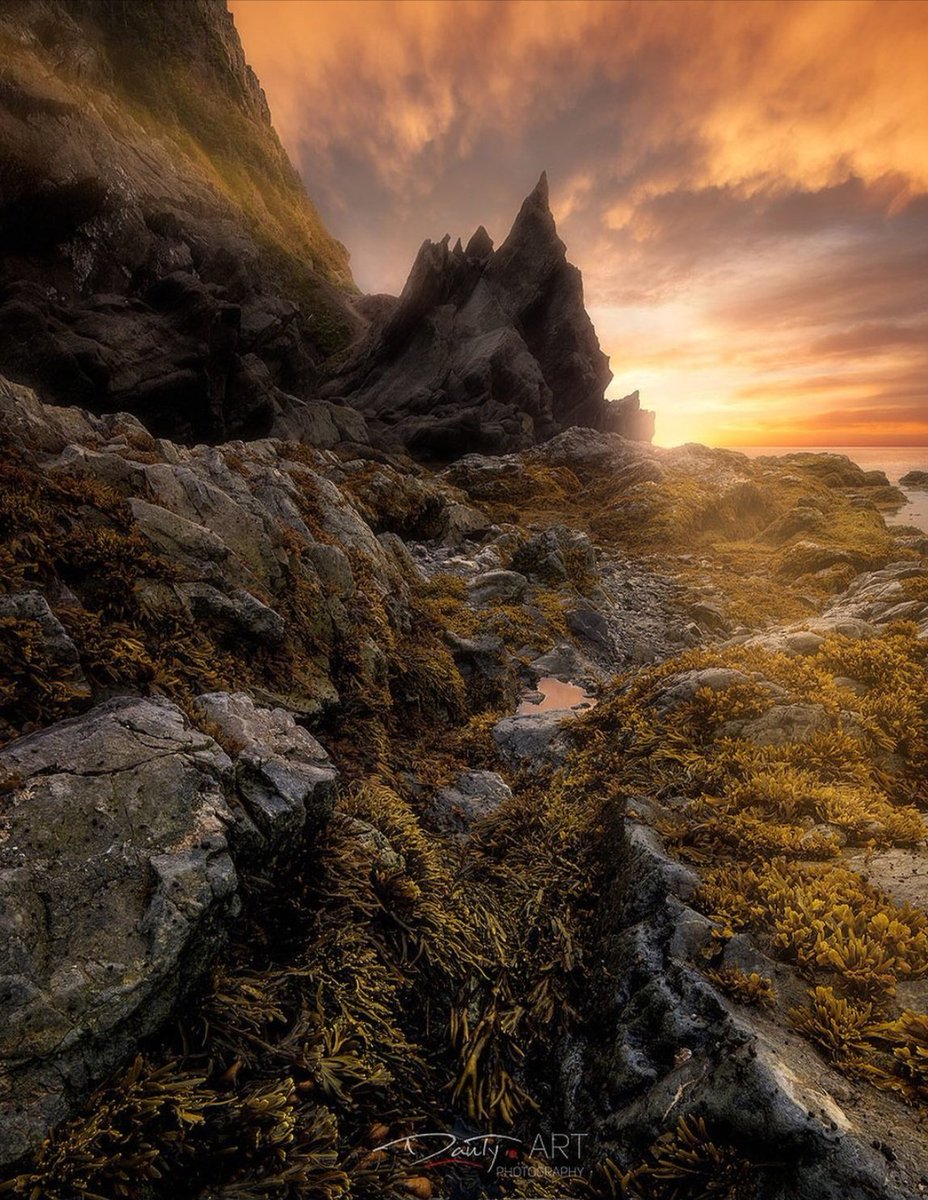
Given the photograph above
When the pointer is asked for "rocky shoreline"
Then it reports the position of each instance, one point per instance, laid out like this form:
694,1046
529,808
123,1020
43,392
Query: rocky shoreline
194,738
303,893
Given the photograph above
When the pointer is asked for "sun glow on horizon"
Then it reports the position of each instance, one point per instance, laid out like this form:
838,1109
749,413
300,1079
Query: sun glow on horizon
744,187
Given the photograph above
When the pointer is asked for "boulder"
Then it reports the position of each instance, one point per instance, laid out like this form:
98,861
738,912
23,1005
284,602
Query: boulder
680,689
532,742
780,724
556,555
915,479
116,882
501,587
475,794
283,776
590,626
462,522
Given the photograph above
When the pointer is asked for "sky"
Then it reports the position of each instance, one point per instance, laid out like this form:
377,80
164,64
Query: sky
743,185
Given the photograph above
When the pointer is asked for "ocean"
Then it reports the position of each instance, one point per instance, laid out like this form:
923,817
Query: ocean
896,461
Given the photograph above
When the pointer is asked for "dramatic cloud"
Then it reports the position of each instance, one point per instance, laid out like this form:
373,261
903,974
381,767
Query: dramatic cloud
745,186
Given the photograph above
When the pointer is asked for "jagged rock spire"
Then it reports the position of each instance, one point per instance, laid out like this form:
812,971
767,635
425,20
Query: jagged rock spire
480,245
534,232
488,351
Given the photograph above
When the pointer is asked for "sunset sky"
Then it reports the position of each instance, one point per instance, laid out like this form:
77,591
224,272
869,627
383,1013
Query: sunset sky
744,185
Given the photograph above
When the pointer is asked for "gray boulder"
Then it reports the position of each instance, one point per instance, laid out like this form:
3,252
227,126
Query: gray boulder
533,741
475,794
780,724
681,688
506,587
115,883
283,776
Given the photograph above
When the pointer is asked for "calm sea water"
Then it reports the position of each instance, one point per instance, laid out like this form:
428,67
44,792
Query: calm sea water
896,461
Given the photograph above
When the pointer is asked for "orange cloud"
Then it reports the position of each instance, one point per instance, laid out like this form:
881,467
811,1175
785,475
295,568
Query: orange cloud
745,186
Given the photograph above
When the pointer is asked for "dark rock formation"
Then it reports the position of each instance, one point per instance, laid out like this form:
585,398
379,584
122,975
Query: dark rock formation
915,479
663,1041
487,350
159,253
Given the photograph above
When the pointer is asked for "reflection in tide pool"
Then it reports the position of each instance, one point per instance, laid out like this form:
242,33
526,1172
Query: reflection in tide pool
555,696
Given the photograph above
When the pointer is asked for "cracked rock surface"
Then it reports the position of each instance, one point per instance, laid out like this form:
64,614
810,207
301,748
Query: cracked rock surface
117,879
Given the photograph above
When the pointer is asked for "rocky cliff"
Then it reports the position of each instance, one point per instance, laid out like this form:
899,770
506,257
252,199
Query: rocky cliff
487,350
159,252
160,256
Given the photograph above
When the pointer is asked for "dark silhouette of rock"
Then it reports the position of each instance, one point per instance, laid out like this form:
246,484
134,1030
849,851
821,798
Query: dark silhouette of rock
487,351
158,252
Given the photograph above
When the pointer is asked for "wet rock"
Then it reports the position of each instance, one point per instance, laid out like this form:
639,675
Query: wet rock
662,1041
590,626
565,663
475,794
116,881
915,479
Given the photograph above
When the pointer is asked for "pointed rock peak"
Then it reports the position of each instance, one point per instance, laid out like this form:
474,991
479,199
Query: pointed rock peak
458,250
480,244
540,194
534,232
